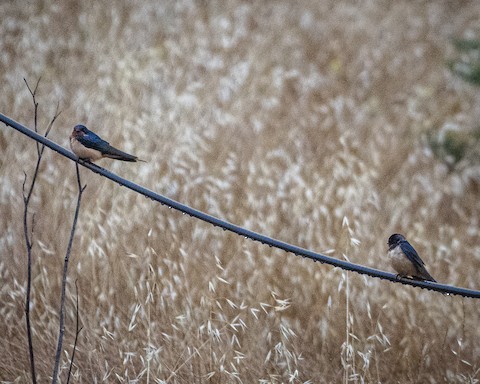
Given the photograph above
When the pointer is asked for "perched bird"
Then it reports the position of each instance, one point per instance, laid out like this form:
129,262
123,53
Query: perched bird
405,259
90,147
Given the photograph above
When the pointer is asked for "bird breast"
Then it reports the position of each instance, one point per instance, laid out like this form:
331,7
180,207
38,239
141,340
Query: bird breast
400,262
83,152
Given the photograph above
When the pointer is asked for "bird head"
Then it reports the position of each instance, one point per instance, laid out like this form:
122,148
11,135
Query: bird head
395,239
79,130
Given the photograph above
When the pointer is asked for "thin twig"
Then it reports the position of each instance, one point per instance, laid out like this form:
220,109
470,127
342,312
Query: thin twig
28,233
35,105
28,229
78,330
50,125
29,287
64,280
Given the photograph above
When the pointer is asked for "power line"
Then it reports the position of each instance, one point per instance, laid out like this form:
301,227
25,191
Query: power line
450,289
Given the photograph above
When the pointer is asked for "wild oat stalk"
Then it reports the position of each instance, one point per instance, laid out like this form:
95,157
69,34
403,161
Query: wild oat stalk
29,228
64,280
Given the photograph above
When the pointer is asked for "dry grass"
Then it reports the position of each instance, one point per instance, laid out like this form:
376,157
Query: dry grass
286,117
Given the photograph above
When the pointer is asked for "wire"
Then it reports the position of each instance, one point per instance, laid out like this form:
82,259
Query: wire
443,288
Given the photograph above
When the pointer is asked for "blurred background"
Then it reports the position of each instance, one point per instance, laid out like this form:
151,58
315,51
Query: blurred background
329,125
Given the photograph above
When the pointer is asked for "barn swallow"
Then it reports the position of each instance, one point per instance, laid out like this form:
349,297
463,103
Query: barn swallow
90,147
405,259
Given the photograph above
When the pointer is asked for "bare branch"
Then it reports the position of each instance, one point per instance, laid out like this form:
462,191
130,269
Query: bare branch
64,280
28,230
50,125
35,105
28,243
78,330
28,234
58,112
36,87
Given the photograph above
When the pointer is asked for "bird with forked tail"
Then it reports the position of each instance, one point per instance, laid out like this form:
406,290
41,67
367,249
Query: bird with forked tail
91,147
405,260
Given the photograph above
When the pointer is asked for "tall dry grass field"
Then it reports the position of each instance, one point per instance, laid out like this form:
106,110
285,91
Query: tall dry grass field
306,121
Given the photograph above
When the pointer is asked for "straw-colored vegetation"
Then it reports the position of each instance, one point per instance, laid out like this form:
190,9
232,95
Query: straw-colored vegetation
304,120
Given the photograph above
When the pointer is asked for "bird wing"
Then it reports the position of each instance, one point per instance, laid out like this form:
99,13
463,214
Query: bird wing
411,253
91,140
